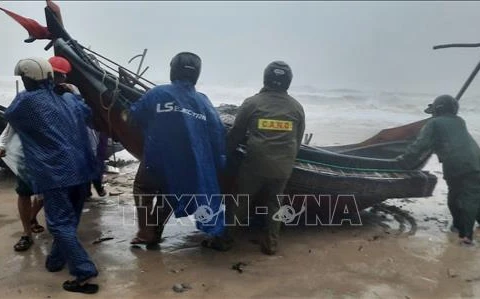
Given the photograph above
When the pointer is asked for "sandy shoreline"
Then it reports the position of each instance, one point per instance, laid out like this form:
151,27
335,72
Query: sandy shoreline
383,258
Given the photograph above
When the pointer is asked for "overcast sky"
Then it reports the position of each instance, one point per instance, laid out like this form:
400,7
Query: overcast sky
384,46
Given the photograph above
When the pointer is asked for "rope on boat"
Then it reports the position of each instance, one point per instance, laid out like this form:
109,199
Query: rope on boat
116,93
352,168
115,96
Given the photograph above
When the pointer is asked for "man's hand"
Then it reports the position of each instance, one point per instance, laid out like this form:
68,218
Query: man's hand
2,152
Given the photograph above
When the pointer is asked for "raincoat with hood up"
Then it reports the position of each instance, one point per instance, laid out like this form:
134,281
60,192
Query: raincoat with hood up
184,150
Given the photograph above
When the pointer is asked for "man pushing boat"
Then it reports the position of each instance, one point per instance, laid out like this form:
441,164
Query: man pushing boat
98,140
184,150
446,135
272,123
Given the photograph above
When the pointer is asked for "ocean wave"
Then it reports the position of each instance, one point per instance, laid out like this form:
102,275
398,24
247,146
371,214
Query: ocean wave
316,101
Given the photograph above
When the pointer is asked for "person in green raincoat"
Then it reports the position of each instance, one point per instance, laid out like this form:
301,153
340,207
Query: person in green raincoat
271,123
446,135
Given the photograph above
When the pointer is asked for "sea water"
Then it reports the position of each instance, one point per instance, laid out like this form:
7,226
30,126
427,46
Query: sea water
333,116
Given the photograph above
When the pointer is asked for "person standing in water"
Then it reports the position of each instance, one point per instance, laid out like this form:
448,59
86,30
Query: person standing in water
446,135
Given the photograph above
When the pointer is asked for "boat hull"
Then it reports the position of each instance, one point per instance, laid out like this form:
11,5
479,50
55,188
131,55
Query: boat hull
369,180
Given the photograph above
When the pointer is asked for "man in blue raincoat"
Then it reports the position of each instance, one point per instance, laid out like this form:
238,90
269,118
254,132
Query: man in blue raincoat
184,151
59,161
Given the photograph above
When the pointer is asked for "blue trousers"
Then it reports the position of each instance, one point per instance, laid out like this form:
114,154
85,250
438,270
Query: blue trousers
63,208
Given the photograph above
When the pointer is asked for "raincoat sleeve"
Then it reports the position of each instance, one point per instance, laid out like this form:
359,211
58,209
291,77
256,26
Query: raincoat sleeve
79,103
85,111
239,129
420,150
19,112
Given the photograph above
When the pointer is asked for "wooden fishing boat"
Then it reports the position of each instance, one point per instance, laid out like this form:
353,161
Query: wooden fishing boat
364,170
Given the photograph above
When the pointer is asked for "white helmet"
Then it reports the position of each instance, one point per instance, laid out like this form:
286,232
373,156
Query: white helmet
35,68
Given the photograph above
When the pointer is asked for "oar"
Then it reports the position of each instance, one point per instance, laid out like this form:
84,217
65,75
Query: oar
411,130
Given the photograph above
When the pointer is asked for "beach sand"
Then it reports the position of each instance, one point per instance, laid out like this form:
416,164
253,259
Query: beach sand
388,256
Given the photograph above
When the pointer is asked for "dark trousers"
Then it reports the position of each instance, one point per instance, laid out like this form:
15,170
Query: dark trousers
151,216
98,185
256,186
464,202
63,208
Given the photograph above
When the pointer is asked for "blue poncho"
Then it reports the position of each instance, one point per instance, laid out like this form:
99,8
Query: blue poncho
53,133
184,149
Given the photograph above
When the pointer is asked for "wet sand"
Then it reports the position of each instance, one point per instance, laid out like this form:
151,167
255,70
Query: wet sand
400,252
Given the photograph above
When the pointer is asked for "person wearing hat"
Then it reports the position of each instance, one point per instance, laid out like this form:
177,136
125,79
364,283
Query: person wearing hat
184,150
271,125
446,135
98,140
59,162
61,67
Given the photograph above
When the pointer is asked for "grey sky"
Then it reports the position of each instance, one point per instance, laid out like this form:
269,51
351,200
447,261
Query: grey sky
360,45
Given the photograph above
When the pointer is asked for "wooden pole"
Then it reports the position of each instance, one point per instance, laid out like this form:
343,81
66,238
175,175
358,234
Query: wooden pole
456,46
469,80
474,72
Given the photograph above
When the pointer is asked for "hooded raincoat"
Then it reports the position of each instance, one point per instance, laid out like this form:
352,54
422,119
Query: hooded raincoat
184,150
57,158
